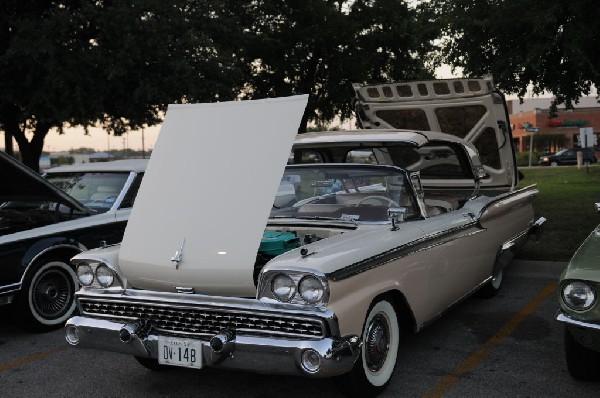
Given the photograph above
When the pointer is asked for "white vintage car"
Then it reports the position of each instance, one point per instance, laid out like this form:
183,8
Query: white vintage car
318,268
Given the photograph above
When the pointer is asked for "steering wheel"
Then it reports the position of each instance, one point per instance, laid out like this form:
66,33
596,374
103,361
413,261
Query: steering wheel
382,200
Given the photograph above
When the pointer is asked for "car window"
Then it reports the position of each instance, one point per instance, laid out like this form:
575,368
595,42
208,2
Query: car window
98,191
345,192
305,156
361,156
433,161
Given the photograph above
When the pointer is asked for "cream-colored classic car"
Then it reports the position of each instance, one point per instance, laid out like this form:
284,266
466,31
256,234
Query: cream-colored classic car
231,259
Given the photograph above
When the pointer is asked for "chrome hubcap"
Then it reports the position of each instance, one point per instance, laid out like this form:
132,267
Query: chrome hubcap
51,294
377,343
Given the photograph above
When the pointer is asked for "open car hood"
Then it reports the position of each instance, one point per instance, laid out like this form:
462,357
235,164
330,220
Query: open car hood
471,109
20,183
205,200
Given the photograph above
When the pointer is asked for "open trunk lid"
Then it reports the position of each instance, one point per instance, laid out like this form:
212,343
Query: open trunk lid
471,109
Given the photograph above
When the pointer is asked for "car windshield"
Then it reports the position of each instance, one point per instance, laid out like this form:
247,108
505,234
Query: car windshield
97,191
342,192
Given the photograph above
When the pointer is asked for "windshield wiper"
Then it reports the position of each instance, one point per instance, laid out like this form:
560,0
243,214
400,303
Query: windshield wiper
326,218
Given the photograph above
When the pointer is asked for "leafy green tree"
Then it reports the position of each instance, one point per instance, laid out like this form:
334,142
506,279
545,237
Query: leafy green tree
111,63
550,46
321,47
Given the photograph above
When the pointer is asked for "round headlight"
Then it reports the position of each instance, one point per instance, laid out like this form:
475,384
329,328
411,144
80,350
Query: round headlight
104,275
311,289
283,287
85,274
578,295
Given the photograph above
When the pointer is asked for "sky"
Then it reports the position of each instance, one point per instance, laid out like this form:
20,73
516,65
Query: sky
99,140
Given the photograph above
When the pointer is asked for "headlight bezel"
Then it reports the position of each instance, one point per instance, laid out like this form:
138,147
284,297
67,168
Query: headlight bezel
266,279
570,287
115,280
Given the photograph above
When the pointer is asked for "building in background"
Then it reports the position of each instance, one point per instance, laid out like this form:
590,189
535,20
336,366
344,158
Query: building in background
531,123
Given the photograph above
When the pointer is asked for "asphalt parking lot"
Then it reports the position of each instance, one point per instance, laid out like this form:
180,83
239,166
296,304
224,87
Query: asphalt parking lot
507,346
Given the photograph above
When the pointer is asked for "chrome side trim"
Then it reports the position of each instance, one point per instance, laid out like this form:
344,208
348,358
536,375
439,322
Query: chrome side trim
424,243
12,288
564,318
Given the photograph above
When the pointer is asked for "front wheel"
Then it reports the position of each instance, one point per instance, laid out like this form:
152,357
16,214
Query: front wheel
583,363
375,365
48,295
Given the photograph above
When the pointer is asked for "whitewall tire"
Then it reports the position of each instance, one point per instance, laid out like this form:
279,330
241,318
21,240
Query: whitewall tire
381,338
48,293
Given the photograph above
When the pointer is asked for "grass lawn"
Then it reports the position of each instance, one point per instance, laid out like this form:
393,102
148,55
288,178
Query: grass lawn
567,197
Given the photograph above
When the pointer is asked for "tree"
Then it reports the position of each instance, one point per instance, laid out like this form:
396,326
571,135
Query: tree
321,47
113,63
545,46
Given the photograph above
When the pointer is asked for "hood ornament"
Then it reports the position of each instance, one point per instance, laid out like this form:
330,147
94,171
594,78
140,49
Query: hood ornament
176,259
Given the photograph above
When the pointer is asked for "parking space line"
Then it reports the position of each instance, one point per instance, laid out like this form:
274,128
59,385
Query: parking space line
31,358
469,364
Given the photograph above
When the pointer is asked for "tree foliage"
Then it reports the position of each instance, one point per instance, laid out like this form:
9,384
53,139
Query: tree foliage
321,47
113,63
119,63
546,46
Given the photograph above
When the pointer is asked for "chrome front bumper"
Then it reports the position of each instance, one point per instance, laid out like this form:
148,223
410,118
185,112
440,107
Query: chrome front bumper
250,353
585,333
562,317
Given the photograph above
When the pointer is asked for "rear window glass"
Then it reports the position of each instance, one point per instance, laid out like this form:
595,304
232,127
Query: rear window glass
435,161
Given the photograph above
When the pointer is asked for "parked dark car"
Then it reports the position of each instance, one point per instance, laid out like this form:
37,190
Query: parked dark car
46,221
568,156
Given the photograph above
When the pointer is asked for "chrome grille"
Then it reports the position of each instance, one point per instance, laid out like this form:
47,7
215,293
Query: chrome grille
207,321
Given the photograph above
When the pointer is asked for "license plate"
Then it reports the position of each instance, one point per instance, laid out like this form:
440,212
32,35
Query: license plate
179,352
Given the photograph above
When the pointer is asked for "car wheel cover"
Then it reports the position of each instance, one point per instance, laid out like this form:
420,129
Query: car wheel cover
377,343
51,293
381,338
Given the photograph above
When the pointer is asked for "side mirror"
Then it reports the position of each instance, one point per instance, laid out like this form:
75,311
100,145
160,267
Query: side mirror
396,215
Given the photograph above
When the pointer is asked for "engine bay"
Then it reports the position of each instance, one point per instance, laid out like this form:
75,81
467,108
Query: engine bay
279,240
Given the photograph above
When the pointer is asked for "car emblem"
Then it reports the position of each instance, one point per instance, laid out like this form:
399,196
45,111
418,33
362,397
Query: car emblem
176,259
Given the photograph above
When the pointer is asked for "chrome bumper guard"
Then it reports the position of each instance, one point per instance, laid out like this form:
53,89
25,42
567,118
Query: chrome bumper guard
562,317
538,227
224,349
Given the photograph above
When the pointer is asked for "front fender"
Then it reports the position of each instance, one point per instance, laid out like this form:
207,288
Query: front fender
43,246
